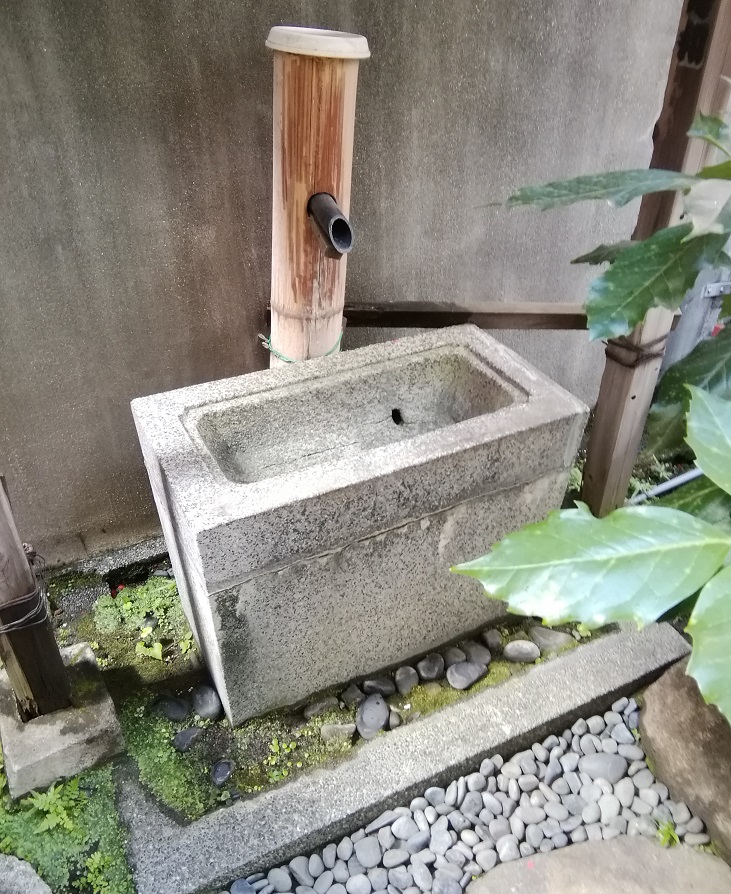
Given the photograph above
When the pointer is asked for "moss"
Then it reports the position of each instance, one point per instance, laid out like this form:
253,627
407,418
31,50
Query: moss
265,750
62,854
115,627
429,697
180,781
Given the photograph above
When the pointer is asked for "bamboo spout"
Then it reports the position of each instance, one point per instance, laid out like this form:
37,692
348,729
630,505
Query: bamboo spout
315,83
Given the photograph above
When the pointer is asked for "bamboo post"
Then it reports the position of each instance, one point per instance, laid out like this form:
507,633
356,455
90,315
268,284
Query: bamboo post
315,81
30,653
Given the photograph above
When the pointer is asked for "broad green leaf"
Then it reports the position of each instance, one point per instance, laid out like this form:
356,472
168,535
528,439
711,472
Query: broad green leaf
603,254
633,565
708,366
709,435
713,130
615,187
656,272
726,307
717,172
702,499
710,627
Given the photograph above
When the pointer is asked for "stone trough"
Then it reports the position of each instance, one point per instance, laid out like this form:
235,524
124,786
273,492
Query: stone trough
312,511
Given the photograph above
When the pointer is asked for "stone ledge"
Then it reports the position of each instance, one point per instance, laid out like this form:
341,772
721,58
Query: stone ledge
62,744
314,809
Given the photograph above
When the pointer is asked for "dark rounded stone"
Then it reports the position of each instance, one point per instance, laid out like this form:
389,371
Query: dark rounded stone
183,740
241,886
453,655
352,696
379,686
206,702
175,709
476,652
406,678
431,667
464,674
372,716
222,772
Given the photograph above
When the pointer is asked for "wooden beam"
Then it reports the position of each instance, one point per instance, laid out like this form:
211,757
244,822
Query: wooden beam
430,315
30,653
633,364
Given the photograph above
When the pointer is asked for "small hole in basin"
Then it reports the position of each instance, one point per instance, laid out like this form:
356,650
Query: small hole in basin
397,417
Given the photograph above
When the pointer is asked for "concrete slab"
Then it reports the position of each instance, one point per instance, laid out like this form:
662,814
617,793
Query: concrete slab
319,807
64,743
629,865
690,744
366,473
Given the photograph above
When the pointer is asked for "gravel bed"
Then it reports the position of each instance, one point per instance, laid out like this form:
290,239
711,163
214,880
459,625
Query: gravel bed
591,782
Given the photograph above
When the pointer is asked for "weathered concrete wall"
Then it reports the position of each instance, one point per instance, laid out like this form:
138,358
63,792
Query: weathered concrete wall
135,177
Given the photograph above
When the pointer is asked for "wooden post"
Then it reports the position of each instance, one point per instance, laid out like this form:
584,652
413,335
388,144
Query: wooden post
315,81
633,364
30,654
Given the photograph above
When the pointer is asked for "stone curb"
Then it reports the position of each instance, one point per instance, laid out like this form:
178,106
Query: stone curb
314,809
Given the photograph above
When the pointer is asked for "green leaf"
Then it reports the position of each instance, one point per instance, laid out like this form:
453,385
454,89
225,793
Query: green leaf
615,187
717,172
603,254
702,499
709,434
634,564
710,627
708,366
713,130
656,272
725,307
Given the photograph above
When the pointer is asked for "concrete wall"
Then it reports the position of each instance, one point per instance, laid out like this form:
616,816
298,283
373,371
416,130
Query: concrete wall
135,178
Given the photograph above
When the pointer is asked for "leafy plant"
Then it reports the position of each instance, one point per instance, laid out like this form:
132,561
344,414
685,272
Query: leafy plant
636,564
59,853
154,650
708,366
658,271
187,645
666,834
59,805
95,874
640,562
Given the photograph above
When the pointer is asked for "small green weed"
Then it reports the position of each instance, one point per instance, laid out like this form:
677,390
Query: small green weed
95,874
666,835
59,806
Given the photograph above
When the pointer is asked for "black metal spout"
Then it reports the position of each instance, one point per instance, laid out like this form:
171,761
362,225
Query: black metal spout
330,224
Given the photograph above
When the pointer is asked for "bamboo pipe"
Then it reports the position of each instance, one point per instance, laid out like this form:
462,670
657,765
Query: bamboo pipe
315,82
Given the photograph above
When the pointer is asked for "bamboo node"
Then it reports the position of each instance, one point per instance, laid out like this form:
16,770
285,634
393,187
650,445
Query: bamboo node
266,341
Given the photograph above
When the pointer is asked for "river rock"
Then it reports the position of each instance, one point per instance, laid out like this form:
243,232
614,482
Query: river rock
611,767
406,678
521,651
372,716
463,674
431,667
206,702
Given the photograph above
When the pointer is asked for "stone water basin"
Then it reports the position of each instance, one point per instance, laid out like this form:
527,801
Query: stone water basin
312,511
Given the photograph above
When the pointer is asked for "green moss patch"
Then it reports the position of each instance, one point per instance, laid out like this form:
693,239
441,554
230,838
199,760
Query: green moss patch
265,750
139,635
70,834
